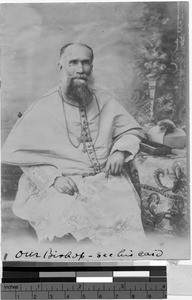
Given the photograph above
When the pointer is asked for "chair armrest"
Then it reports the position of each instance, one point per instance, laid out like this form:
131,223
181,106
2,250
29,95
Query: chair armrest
133,173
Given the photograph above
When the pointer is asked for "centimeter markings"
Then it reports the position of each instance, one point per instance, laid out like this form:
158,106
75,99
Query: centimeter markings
156,290
85,295
88,295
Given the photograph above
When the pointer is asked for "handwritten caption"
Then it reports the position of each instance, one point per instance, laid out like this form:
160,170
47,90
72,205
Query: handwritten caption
72,255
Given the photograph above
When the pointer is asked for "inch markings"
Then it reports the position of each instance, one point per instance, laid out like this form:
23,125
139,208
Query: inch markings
114,290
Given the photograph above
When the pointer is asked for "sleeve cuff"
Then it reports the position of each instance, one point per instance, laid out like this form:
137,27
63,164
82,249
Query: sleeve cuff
42,176
129,143
51,175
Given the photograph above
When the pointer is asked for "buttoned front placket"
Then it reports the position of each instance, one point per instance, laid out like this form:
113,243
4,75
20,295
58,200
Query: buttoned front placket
88,145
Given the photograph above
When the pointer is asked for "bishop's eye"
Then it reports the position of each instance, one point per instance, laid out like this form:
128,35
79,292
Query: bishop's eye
86,62
73,62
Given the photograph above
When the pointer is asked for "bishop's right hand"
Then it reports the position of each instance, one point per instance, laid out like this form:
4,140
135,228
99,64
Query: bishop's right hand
65,185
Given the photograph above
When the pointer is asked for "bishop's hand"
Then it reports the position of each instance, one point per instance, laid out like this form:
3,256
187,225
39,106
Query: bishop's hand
65,185
115,163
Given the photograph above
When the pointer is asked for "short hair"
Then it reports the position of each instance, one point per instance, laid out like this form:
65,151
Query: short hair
62,51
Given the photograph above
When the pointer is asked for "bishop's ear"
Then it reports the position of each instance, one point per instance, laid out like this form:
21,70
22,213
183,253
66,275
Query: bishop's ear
60,66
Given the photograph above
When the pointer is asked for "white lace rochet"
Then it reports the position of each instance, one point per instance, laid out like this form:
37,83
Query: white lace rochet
103,209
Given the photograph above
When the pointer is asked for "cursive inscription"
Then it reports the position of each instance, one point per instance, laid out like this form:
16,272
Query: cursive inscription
27,254
156,253
70,255
124,253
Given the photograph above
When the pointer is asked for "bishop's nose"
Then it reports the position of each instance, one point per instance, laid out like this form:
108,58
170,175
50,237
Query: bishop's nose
79,68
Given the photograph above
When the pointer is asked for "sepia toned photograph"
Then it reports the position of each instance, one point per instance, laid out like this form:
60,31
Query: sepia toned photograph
95,131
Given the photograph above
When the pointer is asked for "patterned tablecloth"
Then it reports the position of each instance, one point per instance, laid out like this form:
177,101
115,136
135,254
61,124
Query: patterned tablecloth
164,193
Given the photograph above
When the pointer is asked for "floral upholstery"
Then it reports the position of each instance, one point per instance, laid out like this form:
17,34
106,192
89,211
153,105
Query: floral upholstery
163,191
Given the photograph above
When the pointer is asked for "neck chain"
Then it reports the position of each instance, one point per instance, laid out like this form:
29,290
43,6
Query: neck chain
79,139
85,132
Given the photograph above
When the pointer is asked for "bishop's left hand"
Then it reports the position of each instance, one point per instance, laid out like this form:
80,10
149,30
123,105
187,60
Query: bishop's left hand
115,163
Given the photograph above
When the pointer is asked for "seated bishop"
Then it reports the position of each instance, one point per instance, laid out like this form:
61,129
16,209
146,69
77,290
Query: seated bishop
72,145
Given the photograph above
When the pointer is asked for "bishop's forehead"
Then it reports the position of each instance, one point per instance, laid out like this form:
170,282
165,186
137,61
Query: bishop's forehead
76,51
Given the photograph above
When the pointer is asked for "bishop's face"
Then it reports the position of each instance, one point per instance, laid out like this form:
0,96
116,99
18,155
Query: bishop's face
75,74
75,65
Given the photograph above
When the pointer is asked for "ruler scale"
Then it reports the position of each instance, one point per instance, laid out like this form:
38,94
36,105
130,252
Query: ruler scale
81,282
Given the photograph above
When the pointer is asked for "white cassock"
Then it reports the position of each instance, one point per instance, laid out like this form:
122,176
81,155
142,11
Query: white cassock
55,138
